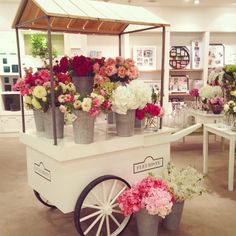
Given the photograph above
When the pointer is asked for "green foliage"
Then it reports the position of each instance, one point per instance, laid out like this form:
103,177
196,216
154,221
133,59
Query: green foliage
40,47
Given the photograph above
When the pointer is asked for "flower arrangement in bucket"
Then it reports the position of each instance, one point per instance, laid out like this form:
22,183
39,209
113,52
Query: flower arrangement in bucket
230,111
125,100
151,112
85,110
26,86
82,69
207,92
117,70
216,104
184,183
195,93
150,199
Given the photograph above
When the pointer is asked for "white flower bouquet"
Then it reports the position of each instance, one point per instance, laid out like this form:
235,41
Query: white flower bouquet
132,96
209,91
185,183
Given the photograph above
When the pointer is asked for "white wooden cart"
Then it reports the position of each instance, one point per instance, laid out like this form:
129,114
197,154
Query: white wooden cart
87,179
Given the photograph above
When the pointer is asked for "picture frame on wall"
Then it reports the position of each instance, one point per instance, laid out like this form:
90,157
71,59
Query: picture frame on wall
197,62
179,57
145,57
216,56
179,83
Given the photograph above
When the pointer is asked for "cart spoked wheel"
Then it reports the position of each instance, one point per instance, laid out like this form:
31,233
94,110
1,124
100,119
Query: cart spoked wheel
43,200
97,212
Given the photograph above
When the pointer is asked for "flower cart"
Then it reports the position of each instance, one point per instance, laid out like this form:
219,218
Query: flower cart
88,179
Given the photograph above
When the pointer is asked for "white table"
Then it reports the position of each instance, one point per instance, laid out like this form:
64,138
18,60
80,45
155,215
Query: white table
224,132
205,118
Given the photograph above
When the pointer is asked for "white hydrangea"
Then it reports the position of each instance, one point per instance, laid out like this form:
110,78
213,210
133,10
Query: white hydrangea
123,99
209,92
142,92
184,183
226,107
86,104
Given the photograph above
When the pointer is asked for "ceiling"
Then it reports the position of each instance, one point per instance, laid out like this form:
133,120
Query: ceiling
177,3
164,3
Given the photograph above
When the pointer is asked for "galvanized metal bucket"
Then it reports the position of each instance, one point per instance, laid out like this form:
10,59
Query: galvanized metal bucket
49,126
147,224
125,123
83,127
39,121
83,84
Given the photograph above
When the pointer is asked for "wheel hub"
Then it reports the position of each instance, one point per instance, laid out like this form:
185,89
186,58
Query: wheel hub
107,210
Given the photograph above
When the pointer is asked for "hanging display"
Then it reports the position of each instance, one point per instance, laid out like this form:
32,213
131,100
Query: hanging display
196,54
179,57
216,56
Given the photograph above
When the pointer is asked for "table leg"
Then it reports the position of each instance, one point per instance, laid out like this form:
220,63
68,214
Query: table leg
222,144
205,150
231,164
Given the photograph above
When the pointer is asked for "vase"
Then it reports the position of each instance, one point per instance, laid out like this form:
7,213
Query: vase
233,124
147,224
38,119
125,123
83,127
172,221
83,84
139,123
110,117
216,109
48,124
152,124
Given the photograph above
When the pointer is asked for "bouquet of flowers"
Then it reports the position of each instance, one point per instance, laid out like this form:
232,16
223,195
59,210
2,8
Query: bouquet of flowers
194,92
184,183
215,78
209,91
230,108
150,193
78,65
134,95
117,70
93,103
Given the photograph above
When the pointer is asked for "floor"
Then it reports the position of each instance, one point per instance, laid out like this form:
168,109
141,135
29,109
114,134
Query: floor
213,214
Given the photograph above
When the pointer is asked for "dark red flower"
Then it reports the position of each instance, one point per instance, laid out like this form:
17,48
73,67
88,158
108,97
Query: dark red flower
140,114
64,64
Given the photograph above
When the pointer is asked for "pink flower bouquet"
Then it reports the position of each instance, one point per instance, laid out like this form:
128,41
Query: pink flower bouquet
150,193
117,70
194,92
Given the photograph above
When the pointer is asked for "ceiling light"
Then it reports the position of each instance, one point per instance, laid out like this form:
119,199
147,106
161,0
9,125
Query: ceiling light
196,2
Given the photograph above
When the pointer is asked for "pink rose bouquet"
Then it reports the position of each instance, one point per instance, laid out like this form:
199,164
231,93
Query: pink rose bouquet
150,193
117,70
149,111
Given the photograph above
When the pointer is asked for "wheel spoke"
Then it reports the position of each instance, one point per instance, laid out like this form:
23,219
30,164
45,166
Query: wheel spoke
104,192
100,225
92,225
112,190
108,225
96,197
115,220
117,211
115,205
91,206
117,195
90,216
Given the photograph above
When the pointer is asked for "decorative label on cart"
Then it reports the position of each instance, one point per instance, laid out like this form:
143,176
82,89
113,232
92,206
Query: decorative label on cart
42,171
149,163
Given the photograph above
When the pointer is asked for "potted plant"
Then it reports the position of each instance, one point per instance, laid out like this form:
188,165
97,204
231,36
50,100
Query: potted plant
85,110
230,111
82,70
216,104
40,48
184,183
150,199
125,100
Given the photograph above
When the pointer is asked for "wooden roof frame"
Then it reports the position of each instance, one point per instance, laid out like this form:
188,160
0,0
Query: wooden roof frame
33,14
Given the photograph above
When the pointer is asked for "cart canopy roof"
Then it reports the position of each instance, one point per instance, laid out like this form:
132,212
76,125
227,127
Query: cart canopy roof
83,16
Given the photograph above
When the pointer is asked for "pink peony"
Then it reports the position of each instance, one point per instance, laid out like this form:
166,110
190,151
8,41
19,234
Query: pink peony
93,111
194,92
110,70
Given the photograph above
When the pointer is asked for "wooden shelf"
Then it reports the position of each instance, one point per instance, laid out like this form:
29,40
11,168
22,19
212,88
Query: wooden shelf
186,70
150,71
9,92
178,94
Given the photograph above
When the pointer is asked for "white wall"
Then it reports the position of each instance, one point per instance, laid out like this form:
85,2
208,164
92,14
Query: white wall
198,18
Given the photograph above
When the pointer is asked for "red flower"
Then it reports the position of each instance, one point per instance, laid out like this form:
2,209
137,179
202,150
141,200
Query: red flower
64,78
140,114
64,64
152,109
